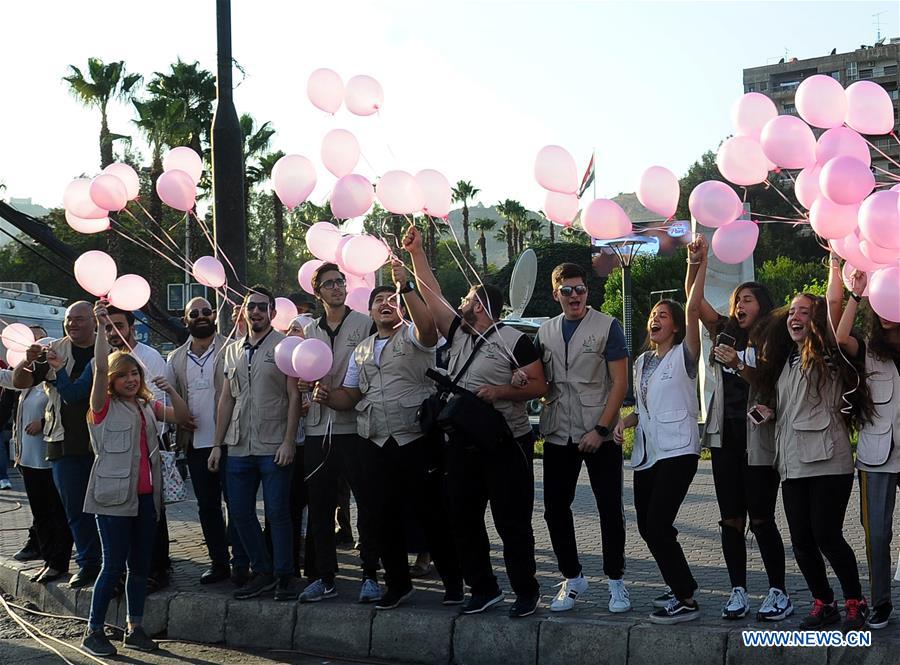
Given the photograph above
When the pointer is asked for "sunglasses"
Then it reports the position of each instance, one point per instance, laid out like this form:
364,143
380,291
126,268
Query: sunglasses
194,313
333,284
567,291
261,306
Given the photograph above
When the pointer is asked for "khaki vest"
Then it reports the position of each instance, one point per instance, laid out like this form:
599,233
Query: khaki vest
811,438
178,360
259,419
355,328
493,365
112,488
392,391
578,377
878,438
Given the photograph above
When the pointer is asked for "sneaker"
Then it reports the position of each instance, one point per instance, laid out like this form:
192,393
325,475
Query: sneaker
96,643
676,612
285,589
369,592
569,590
392,599
619,600
84,577
29,552
318,590
136,638
738,604
880,616
856,613
453,597
480,602
775,607
239,576
524,606
258,585
822,614
5,484
664,599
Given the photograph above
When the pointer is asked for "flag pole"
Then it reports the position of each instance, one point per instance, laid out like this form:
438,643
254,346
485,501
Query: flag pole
594,162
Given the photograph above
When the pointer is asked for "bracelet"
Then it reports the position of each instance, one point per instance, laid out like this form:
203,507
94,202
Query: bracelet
694,263
855,297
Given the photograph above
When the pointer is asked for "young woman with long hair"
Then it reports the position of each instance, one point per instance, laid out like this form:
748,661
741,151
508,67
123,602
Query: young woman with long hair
742,451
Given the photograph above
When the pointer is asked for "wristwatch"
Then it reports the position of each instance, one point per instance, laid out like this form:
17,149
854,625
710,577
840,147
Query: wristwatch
741,366
602,431
406,288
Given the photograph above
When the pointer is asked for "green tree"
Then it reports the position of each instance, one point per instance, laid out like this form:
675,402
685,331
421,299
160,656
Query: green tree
514,214
481,225
255,142
463,192
193,90
259,170
785,276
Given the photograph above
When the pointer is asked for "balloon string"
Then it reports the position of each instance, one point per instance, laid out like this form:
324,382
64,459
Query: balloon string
217,249
176,250
776,217
158,224
887,173
880,152
789,202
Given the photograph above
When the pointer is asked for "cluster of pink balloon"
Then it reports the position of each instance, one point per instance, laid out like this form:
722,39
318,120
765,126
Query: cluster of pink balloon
96,273
177,186
16,338
88,202
362,94
307,359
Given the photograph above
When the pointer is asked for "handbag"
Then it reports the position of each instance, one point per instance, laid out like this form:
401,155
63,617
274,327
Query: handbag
173,489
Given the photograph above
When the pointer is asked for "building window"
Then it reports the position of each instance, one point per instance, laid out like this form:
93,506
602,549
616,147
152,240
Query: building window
893,94
890,70
790,109
866,73
835,75
751,87
852,71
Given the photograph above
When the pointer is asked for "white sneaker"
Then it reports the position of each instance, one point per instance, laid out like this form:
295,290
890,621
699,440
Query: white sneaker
776,607
569,590
619,600
738,605
5,484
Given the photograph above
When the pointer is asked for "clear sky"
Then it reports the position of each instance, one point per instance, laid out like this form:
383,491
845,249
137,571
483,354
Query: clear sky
473,89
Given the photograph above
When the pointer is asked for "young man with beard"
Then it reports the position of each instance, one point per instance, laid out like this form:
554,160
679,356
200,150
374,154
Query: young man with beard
501,366
196,370
586,364
257,418
333,445
386,384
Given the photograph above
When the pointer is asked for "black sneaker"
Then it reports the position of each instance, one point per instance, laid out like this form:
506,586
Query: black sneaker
240,576
524,606
453,597
822,614
217,572
664,599
480,602
29,552
256,586
856,613
286,589
84,577
676,612
136,638
880,616
96,643
391,598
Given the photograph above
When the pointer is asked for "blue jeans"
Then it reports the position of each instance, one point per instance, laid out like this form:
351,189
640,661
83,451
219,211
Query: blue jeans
127,542
243,477
70,475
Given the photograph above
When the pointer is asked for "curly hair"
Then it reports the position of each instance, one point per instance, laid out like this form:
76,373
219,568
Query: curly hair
878,339
120,364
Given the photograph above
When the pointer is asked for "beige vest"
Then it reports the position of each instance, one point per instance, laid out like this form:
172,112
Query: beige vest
259,419
53,427
879,438
577,375
493,365
811,438
354,329
178,360
112,488
392,391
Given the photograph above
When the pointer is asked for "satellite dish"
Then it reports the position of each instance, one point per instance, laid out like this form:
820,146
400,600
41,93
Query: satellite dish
521,284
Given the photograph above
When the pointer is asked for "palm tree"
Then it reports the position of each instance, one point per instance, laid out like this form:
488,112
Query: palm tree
104,83
195,91
463,192
255,142
533,229
514,214
481,225
256,173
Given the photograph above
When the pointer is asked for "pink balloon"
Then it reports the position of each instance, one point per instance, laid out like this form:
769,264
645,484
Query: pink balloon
555,169
735,242
604,220
832,221
128,176
87,225
108,192
340,152
209,271
339,253
399,193
436,189
842,141
13,358
658,191
884,293
877,254
304,275
363,95
846,272
325,90
184,159
284,351
869,108
879,219
846,180
821,101
322,239
806,187
352,196
741,160
561,208
363,254
848,248
177,190
294,178
713,203
357,281
17,337
788,142
751,112
95,272
129,293
311,359
358,299
77,200
285,312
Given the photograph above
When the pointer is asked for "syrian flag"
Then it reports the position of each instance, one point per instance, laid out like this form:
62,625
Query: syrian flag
587,179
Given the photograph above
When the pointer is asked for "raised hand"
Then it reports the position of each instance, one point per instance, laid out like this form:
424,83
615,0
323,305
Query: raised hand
412,240
398,272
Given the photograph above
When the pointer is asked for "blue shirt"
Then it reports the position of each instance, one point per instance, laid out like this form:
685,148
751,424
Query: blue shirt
615,349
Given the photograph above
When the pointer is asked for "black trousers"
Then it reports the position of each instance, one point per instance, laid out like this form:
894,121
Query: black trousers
54,539
326,459
401,479
505,478
562,466
815,509
658,494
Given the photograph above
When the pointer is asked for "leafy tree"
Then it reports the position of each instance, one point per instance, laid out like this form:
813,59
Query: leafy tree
481,225
255,142
258,171
785,276
463,192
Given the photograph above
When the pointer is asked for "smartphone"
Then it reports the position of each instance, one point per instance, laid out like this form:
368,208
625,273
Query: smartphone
726,340
756,416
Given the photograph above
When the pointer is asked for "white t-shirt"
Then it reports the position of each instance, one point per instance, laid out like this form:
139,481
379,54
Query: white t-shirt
154,366
351,379
32,448
201,393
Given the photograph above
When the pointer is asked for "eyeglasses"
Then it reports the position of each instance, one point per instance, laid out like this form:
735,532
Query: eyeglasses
333,284
465,300
567,291
261,306
194,313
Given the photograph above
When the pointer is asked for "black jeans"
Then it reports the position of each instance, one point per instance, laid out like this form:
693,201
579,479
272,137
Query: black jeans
54,539
658,494
299,500
505,478
326,459
562,466
815,509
